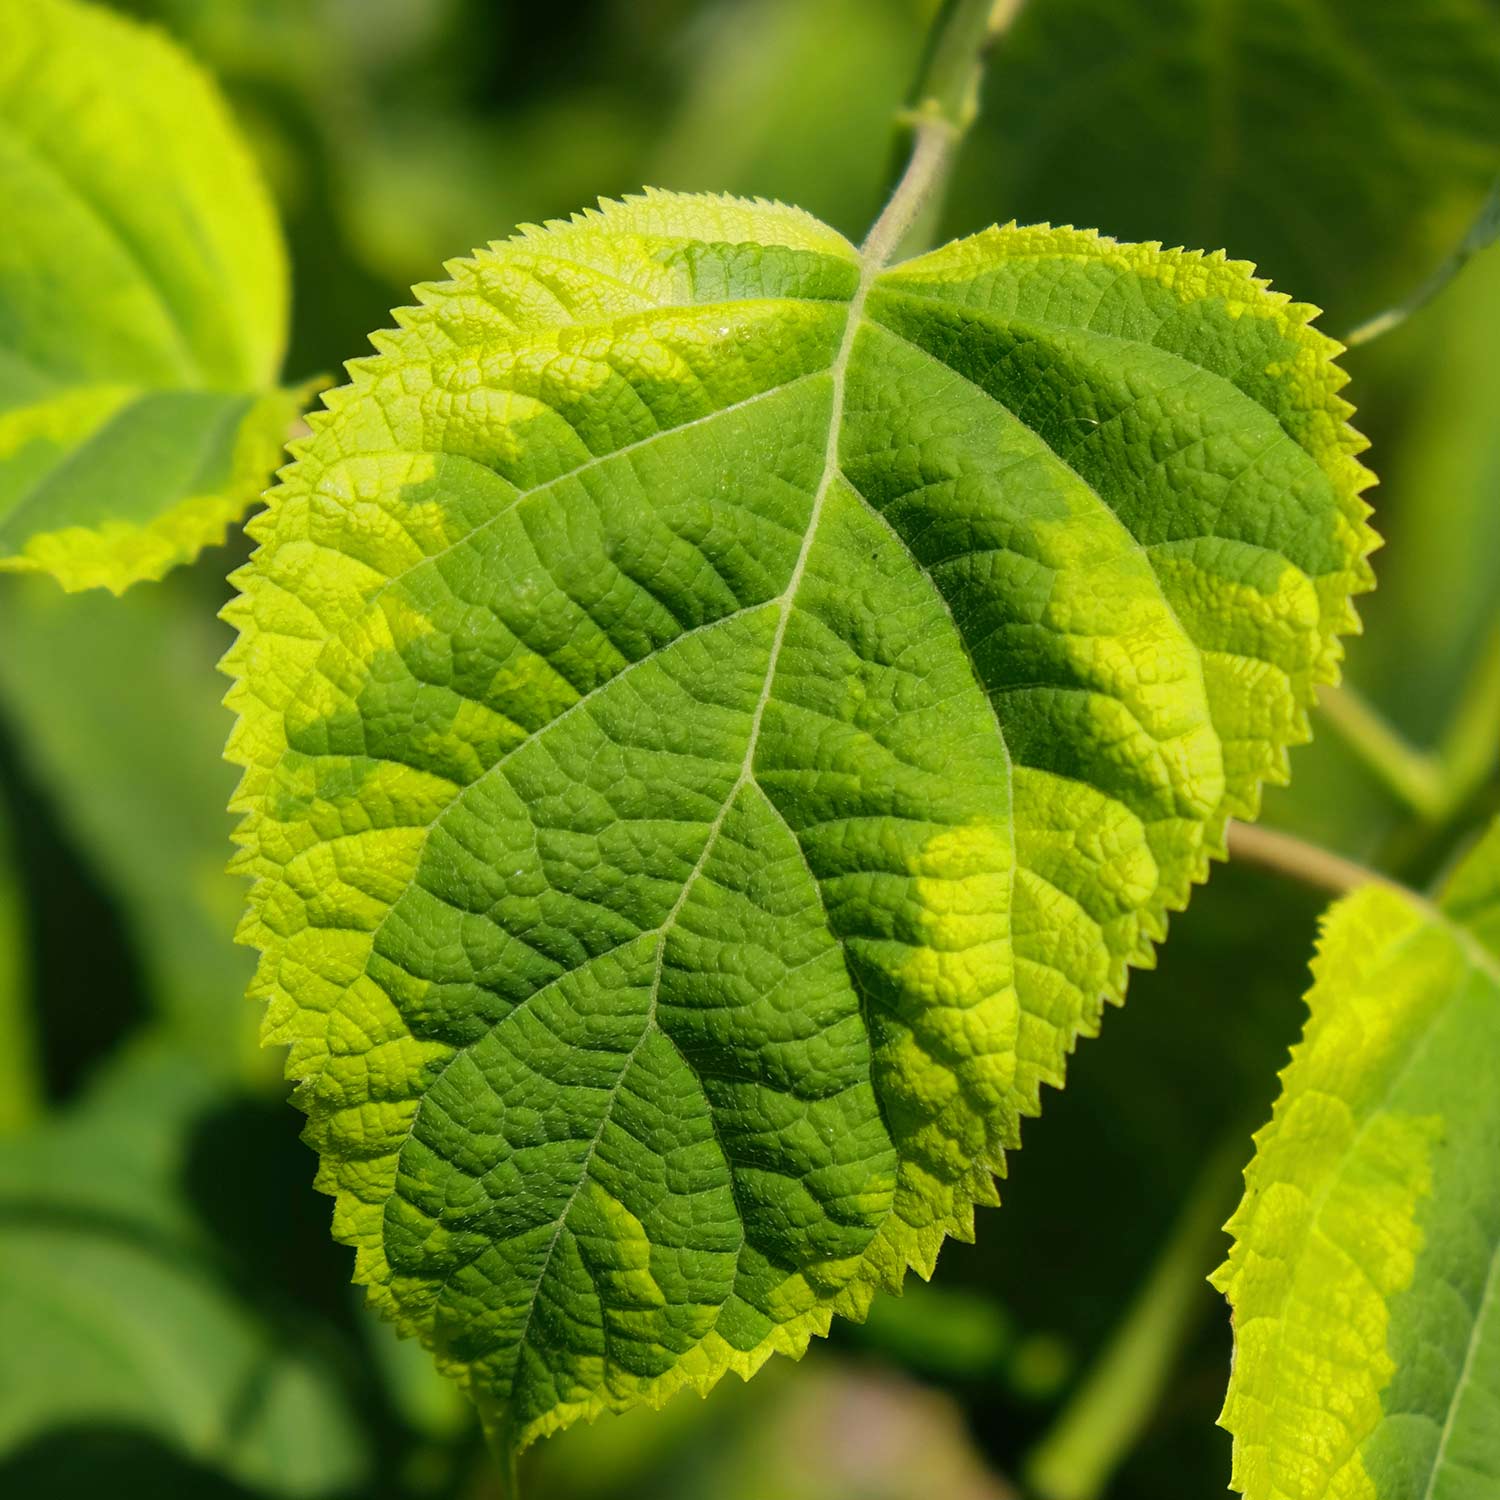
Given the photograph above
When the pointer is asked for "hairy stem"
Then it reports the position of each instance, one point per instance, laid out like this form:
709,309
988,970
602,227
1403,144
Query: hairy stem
1286,854
942,105
1123,1387
931,156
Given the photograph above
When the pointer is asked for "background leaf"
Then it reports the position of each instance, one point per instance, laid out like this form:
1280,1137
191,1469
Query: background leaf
1364,1276
143,303
124,1320
20,1073
1443,483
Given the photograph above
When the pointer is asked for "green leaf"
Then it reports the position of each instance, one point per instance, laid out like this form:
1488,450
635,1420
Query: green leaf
1343,144
143,303
114,706
122,1315
717,717
1365,1272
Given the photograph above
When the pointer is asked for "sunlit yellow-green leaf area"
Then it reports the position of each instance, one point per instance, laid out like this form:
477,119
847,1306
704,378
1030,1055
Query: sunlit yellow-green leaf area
720,715
1365,1275
143,304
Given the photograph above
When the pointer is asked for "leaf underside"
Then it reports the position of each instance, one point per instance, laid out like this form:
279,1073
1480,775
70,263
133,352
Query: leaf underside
1365,1273
717,717
143,303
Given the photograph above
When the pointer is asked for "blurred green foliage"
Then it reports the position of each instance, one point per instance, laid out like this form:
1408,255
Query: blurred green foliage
151,1180
113,1279
20,1072
136,674
1441,483
1342,145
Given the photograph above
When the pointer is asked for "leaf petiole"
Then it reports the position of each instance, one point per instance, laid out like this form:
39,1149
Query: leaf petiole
502,1477
1471,747
1435,784
1286,854
1415,776
942,105
1484,231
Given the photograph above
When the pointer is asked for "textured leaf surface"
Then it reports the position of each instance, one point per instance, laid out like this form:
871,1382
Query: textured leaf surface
122,1315
1365,1273
143,303
1343,144
717,718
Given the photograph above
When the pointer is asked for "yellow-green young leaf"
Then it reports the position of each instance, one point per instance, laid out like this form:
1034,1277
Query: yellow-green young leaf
1365,1272
143,303
718,715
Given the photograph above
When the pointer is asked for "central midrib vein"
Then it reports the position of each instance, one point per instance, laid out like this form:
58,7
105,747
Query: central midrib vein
872,262
839,373
934,143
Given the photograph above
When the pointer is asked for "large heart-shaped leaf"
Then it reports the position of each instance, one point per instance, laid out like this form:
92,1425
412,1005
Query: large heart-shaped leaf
719,715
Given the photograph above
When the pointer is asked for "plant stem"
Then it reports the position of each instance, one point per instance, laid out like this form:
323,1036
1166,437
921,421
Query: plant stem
1414,775
1123,1387
942,105
1285,854
931,155
497,1473
1483,231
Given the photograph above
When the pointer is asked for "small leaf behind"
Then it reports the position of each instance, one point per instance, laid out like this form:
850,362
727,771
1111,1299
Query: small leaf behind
1365,1272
